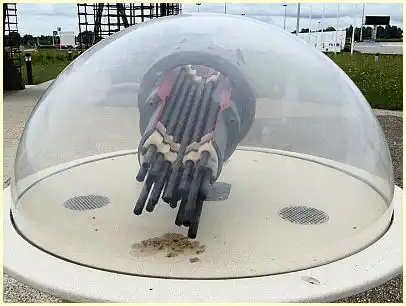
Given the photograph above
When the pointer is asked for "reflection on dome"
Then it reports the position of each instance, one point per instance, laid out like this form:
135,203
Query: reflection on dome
223,125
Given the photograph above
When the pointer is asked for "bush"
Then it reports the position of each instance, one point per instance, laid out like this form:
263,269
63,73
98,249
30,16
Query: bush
61,57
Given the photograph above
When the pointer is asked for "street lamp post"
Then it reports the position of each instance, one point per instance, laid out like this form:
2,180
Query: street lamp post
284,21
198,6
28,68
338,18
225,7
322,27
310,22
59,29
298,19
352,37
362,21
317,36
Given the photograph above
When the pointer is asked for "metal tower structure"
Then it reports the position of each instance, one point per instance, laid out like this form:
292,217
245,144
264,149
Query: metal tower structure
100,20
12,77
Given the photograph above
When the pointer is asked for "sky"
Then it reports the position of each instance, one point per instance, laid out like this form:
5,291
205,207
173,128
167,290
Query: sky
43,18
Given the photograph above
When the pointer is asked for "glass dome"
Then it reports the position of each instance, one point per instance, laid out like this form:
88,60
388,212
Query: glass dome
311,166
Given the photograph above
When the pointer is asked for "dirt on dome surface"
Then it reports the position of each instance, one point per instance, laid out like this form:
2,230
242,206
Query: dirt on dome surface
170,244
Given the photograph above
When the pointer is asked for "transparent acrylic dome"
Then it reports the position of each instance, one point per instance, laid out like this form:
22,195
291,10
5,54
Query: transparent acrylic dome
313,168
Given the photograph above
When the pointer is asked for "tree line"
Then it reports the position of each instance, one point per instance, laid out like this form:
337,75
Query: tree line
86,38
29,40
386,32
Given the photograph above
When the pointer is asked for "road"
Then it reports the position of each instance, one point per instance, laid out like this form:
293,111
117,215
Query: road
381,47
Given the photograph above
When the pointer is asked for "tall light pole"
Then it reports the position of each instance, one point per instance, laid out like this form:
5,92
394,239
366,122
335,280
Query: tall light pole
353,36
317,36
198,6
310,21
225,7
298,19
338,18
362,21
322,27
59,29
284,20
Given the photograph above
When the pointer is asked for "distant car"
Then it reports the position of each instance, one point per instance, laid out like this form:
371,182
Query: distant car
59,46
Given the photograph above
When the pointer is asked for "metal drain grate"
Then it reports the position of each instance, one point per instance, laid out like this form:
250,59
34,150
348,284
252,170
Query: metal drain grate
303,215
86,202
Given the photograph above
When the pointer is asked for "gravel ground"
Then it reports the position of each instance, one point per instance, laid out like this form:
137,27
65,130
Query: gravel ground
393,129
391,291
16,114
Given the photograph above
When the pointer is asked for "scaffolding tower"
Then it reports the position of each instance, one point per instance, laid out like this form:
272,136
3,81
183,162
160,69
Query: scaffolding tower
100,20
12,77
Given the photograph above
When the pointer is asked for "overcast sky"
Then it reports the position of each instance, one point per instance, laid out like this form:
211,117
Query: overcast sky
43,18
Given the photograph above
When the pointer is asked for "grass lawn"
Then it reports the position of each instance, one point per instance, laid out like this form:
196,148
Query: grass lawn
381,83
46,65
44,72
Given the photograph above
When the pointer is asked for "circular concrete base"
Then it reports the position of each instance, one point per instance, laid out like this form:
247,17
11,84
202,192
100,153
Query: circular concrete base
278,206
358,272
354,274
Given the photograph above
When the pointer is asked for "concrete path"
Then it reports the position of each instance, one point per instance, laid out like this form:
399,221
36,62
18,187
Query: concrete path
17,107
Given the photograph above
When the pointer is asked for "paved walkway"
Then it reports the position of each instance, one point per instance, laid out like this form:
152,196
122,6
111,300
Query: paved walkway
17,107
384,112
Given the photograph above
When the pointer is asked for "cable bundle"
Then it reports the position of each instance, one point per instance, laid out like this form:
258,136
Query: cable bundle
179,159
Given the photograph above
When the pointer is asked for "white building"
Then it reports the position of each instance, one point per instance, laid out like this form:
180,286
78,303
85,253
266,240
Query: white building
332,41
67,38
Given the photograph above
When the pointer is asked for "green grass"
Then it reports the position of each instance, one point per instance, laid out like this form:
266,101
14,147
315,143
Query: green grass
46,65
381,83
